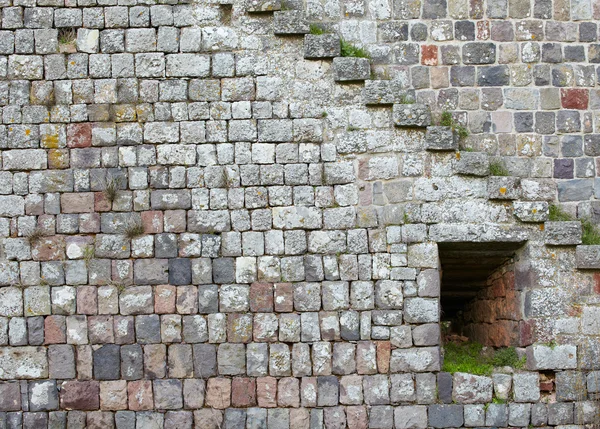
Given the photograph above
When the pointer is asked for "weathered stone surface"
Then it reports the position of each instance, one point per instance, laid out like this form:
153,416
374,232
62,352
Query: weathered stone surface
440,138
321,46
588,257
471,389
23,363
546,357
411,115
347,69
563,233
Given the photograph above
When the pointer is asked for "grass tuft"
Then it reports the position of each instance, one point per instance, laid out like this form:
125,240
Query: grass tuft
67,36
35,235
349,50
110,187
469,358
591,233
557,214
497,169
133,228
447,120
316,29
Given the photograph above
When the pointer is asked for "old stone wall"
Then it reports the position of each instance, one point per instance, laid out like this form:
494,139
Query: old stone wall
206,221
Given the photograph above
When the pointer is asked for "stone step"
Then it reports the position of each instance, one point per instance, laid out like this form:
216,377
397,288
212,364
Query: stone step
563,233
318,46
531,211
587,257
440,138
290,23
411,115
386,92
258,6
504,188
348,69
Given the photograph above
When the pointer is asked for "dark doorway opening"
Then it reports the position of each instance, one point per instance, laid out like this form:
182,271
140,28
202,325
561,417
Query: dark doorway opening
478,296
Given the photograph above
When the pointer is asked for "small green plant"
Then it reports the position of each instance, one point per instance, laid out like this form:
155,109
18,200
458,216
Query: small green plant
496,400
557,214
467,149
497,169
35,235
349,50
591,234
110,187
67,36
88,254
406,218
406,99
352,128
133,228
323,114
316,30
447,120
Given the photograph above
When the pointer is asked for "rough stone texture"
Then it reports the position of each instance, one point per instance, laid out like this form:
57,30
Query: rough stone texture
202,217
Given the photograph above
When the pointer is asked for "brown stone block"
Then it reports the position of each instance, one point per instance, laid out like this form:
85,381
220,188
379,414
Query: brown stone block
80,395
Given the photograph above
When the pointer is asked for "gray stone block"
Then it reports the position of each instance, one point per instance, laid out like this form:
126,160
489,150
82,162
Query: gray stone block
504,188
440,138
321,46
541,357
588,257
411,115
290,22
472,164
348,69
563,233
534,211
445,416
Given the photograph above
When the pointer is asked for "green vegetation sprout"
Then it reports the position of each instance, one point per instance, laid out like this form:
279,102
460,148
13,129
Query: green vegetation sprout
316,30
446,120
497,169
349,50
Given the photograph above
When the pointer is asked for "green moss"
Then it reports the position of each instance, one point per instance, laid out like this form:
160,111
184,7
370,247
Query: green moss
317,30
497,169
468,357
557,214
465,357
349,50
508,357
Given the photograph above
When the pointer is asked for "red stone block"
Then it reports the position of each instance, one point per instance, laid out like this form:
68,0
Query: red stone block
164,299
87,300
101,202
89,223
152,221
49,249
79,135
284,297
483,30
476,9
239,328
547,386
288,392
526,332
498,288
429,55
80,395
261,297
80,202
243,392
266,391
357,417
574,98
55,330
218,393
384,351
140,395
597,283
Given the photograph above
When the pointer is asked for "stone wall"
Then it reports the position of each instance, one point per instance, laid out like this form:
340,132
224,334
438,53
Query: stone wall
200,227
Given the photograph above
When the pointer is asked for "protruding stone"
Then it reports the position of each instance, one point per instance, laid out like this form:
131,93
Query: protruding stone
440,138
563,233
348,69
290,22
321,46
504,188
588,257
531,211
411,115
472,163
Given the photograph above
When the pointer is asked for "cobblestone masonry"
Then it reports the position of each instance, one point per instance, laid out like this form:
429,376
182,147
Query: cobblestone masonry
208,222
